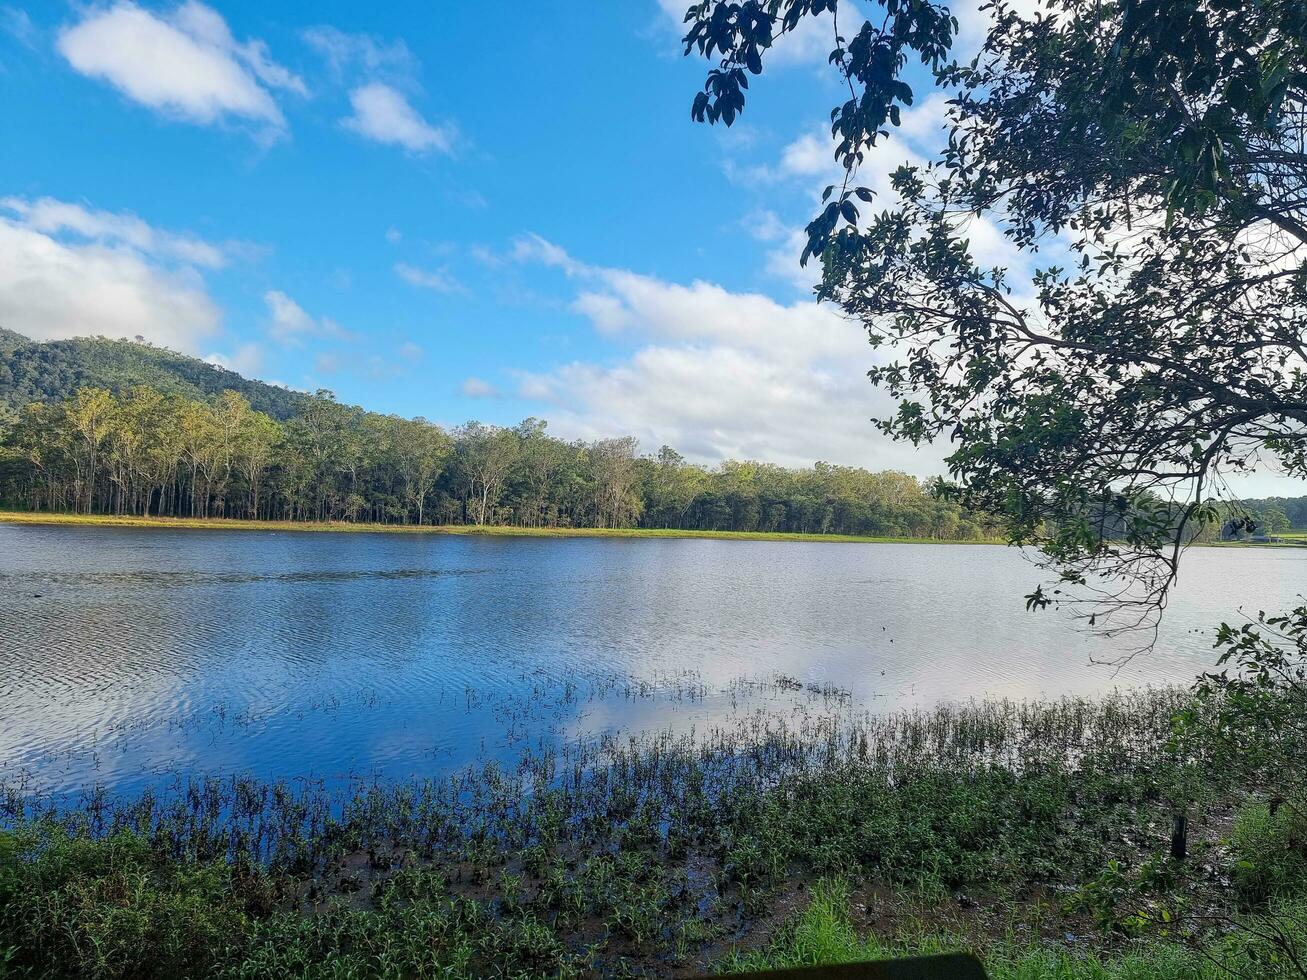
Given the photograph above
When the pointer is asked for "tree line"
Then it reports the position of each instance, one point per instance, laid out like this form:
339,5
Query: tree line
151,453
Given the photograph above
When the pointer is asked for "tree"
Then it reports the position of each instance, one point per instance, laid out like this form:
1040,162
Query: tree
672,487
90,416
257,441
612,465
540,462
488,454
176,456
422,449
1146,334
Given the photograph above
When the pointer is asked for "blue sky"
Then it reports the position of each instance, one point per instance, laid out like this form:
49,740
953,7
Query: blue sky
441,210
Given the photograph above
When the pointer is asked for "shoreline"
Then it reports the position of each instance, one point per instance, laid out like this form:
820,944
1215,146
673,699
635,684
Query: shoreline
347,527
50,518
984,828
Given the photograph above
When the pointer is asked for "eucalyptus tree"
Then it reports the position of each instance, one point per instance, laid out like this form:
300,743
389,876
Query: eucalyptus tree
422,450
487,455
177,456
671,486
541,461
167,451
1141,333
130,448
201,452
89,415
257,442
613,472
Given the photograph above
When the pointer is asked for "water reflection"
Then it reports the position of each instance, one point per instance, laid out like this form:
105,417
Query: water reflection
128,654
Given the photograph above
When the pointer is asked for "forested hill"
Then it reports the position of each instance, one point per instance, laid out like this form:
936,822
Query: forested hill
52,371
121,427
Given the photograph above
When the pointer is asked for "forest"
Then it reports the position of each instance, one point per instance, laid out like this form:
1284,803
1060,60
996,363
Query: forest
152,453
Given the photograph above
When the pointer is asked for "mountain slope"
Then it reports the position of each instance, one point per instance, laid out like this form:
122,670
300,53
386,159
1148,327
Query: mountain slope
35,371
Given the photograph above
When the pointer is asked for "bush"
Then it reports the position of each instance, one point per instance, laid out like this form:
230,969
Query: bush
110,908
1270,851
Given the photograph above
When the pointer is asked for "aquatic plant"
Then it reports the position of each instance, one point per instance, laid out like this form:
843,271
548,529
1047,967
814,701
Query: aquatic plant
621,852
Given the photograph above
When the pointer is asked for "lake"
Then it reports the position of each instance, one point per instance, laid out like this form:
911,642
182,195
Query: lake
127,656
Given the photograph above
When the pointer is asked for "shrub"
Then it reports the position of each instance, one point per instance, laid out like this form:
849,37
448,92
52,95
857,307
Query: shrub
1270,851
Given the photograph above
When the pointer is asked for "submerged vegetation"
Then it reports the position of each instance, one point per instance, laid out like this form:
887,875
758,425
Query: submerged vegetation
1039,834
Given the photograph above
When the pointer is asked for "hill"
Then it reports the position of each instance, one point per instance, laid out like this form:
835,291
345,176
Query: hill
46,371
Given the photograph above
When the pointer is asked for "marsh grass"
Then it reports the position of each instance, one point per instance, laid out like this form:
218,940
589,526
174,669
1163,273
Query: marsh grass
824,933
643,855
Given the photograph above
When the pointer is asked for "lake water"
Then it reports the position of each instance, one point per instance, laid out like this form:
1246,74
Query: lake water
128,656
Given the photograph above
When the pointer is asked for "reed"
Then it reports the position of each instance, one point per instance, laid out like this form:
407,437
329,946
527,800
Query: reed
646,853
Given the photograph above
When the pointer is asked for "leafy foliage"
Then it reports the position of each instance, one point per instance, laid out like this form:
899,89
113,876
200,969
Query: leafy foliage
824,933
55,370
151,453
615,858
1140,333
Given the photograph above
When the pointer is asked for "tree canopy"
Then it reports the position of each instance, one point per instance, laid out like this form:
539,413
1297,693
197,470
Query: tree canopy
53,370
148,452
1142,332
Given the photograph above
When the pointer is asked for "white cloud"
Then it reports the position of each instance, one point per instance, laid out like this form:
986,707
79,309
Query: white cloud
765,226
975,20
533,248
717,402
383,114
620,300
409,351
290,325
478,388
437,279
808,162
51,288
606,312
808,155
186,65
783,262
52,217
246,359
718,374
363,52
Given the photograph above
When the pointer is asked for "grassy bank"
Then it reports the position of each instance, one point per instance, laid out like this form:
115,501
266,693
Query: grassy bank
825,933
1031,833
231,524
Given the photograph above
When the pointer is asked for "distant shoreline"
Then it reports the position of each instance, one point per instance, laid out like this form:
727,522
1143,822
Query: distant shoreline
346,527
1291,540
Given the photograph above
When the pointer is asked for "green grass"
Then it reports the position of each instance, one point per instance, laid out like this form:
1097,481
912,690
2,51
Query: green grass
823,934
233,524
644,858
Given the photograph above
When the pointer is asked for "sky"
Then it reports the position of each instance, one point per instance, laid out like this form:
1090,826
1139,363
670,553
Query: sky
454,211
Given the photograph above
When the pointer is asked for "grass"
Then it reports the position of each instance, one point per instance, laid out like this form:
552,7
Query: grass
233,524
824,934
1291,539
970,826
